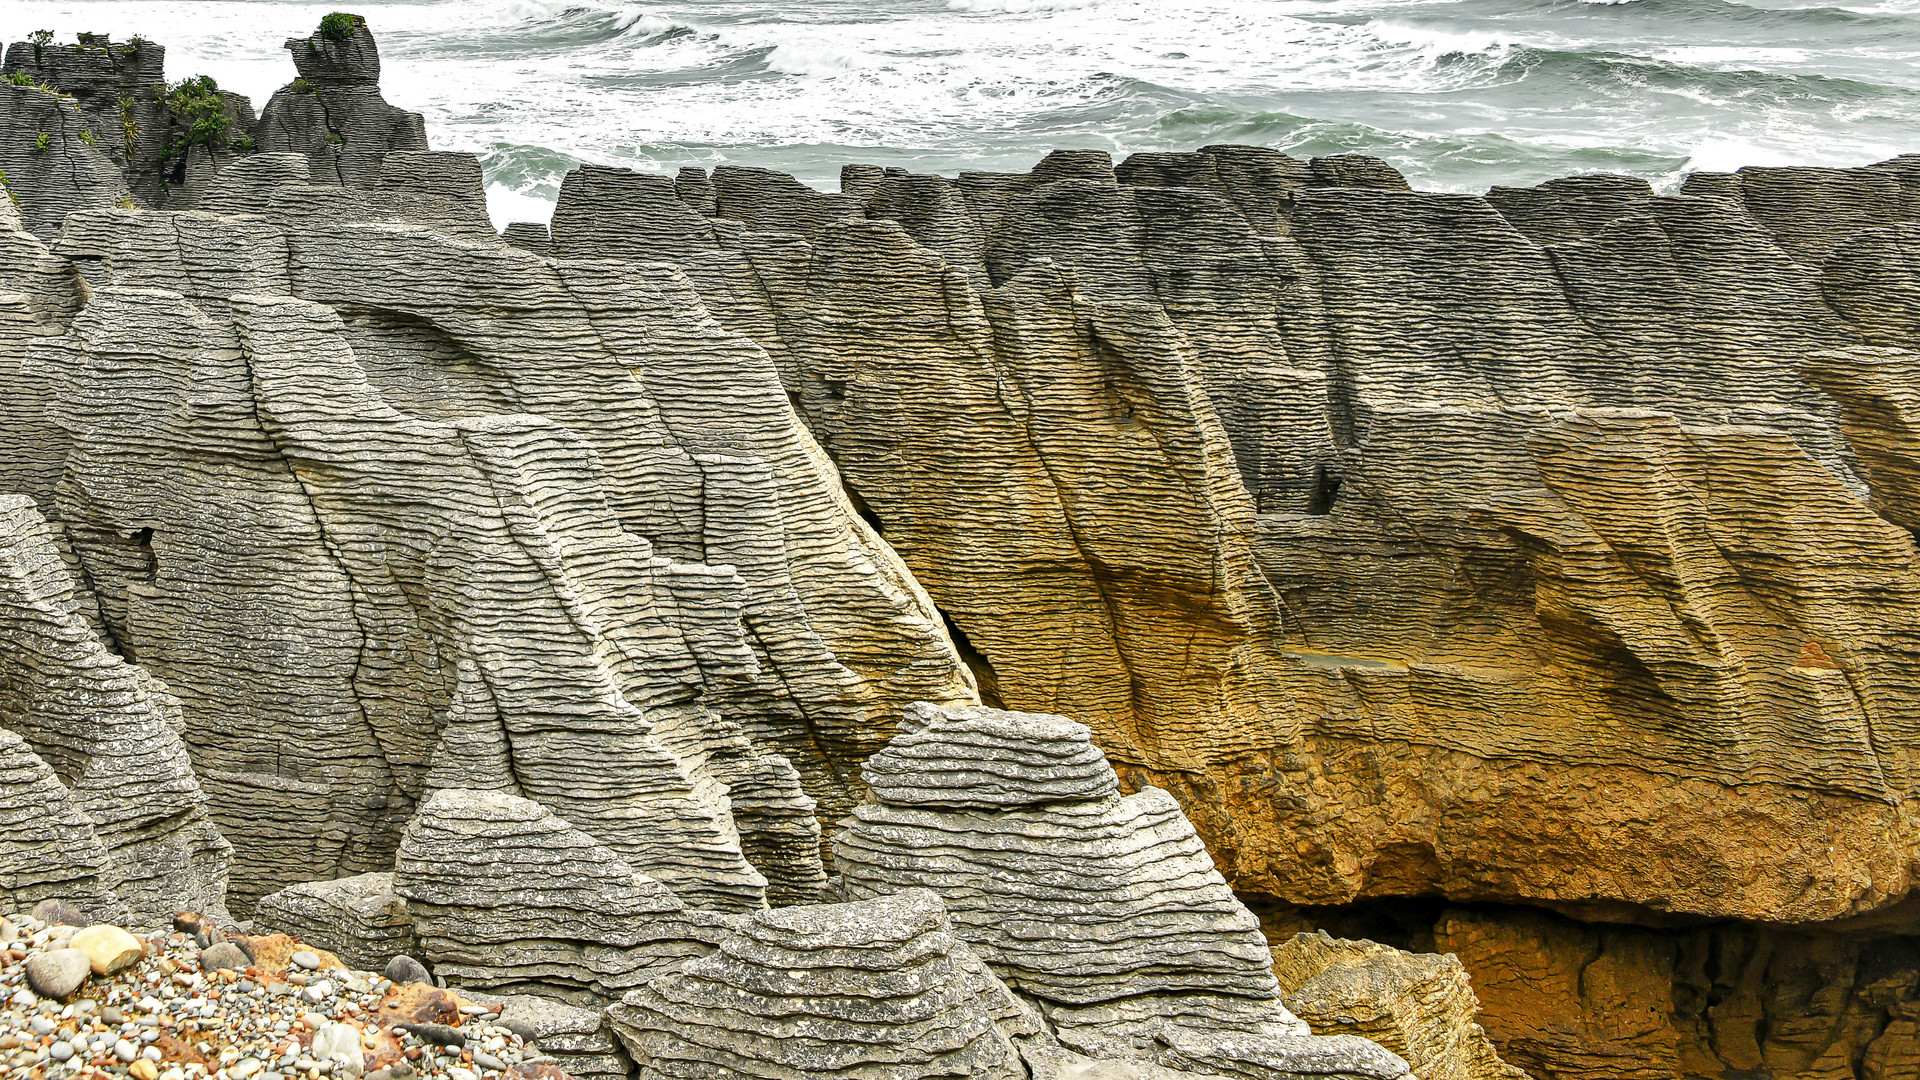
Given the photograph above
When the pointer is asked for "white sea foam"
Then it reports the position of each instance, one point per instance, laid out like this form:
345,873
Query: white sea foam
1463,95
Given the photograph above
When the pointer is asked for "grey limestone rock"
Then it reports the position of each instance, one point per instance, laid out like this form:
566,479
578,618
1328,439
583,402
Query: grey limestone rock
1105,908
979,758
70,174
879,988
360,918
120,92
107,728
48,849
333,112
579,1040
507,897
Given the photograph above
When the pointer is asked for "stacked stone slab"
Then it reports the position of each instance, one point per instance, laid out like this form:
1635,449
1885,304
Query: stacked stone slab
360,919
1419,1005
108,729
119,93
333,112
1105,908
507,897
878,989
48,849
69,175
579,1040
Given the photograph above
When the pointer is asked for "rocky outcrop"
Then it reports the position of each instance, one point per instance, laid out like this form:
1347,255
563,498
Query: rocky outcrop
1335,635
39,294
48,849
168,140
507,897
579,1040
110,732
50,169
360,919
1105,908
333,111
879,988
723,664
1418,1005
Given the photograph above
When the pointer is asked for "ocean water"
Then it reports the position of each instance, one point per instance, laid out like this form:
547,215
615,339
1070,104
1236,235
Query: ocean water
1459,94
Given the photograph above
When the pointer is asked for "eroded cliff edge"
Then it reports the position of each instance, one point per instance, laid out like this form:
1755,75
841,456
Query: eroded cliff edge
1552,548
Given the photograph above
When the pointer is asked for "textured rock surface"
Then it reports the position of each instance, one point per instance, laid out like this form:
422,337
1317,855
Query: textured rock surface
46,185
333,112
878,988
109,731
1418,1005
579,1040
1104,908
48,848
1526,499
507,897
796,630
360,919
119,97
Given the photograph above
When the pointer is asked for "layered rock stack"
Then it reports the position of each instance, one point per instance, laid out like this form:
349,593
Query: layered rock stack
880,989
109,731
579,1040
48,849
1104,908
360,919
1420,1006
333,112
508,898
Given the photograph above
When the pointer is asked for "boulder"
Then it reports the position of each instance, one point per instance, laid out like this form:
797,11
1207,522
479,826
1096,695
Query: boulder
57,973
109,948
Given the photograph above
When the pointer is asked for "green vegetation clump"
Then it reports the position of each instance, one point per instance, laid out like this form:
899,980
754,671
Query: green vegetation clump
86,136
43,143
302,86
18,78
7,186
340,26
335,139
129,128
41,37
244,144
199,115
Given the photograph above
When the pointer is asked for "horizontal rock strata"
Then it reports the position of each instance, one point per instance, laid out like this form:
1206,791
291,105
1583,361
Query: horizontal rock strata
1104,908
507,897
879,988
1419,1005
1291,496
360,919
110,733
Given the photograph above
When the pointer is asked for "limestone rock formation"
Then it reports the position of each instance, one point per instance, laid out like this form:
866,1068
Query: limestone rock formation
1418,1005
744,486
579,1040
50,170
48,849
1105,908
360,919
39,294
168,140
333,111
878,988
1274,476
110,733
507,897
